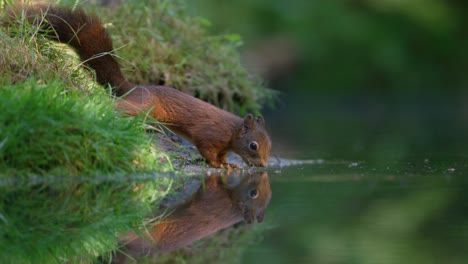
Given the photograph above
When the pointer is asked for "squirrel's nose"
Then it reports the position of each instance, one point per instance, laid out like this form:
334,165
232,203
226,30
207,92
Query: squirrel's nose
264,164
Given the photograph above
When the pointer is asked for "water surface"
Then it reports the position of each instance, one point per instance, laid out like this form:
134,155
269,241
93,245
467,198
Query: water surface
359,212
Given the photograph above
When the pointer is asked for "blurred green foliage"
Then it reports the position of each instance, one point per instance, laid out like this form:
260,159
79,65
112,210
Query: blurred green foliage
372,79
359,44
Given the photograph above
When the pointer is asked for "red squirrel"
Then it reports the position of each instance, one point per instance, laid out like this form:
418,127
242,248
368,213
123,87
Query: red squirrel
212,130
218,204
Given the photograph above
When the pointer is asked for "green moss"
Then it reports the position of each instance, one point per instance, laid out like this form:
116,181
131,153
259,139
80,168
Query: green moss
47,129
25,54
55,119
159,43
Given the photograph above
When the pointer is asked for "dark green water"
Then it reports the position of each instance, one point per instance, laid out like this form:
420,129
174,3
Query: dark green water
391,187
353,212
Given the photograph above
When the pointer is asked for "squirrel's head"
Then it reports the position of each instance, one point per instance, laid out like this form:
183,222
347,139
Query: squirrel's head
252,142
253,194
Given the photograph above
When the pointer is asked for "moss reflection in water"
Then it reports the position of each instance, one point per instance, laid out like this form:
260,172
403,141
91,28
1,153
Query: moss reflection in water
47,223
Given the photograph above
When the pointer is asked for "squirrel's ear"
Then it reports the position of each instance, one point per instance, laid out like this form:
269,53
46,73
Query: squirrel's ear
249,121
260,120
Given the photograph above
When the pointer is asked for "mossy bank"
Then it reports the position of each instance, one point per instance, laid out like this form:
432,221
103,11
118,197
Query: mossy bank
74,172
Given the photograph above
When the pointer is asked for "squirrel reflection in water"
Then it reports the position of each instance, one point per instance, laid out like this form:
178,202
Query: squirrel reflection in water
220,202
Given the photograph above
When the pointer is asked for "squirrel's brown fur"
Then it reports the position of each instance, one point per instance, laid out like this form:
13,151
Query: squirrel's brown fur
212,130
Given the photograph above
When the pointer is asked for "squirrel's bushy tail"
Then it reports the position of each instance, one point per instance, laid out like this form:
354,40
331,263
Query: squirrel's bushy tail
86,34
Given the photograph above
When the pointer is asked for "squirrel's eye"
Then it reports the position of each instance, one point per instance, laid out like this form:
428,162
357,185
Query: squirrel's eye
253,193
253,145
